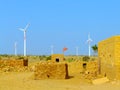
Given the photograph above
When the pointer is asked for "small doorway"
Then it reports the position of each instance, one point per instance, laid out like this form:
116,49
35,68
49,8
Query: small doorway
84,65
57,59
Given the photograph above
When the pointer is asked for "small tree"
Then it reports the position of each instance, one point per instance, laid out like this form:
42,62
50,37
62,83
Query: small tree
95,49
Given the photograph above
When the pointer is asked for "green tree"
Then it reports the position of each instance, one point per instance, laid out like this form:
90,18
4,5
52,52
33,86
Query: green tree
95,49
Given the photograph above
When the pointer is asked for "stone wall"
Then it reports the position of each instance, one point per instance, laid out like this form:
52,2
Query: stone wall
89,69
49,70
109,56
14,62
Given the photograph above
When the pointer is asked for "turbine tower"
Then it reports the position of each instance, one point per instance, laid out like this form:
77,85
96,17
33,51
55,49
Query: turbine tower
89,43
24,30
15,46
52,49
77,50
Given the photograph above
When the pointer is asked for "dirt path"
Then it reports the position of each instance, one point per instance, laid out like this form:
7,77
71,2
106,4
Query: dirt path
24,81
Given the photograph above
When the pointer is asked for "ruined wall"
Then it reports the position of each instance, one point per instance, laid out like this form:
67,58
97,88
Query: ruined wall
49,70
13,63
89,69
109,56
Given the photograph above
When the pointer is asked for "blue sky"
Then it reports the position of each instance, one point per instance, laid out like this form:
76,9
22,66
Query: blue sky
62,23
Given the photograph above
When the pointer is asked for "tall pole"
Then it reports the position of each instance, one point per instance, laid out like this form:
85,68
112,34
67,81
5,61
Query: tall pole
25,43
15,48
52,49
77,51
89,49
89,40
89,46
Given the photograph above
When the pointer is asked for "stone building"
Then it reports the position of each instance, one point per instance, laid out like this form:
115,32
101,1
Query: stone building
57,57
109,56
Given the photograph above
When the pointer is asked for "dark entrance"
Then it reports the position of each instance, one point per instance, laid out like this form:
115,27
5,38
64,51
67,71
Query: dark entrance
57,59
25,61
84,65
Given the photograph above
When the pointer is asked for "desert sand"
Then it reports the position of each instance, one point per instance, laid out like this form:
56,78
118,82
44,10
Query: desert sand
25,81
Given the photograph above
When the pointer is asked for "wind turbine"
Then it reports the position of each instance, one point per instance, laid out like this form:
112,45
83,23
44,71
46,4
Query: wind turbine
15,46
24,30
89,45
77,50
52,49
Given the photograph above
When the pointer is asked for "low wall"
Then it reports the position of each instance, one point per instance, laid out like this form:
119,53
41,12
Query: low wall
13,63
49,70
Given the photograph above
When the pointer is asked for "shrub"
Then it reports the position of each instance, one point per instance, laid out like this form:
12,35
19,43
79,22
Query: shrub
20,57
70,60
48,58
86,58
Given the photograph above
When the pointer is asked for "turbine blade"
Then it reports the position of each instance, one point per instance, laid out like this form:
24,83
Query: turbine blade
26,26
91,40
87,41
21,29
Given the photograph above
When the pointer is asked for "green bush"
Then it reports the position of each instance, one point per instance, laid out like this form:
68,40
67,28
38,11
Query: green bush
70,60
48,58
86,58
43,57
20,57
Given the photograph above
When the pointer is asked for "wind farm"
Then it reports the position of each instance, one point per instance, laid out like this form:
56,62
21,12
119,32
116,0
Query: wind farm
59,45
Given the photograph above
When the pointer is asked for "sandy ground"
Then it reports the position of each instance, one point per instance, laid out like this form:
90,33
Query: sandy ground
25,81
